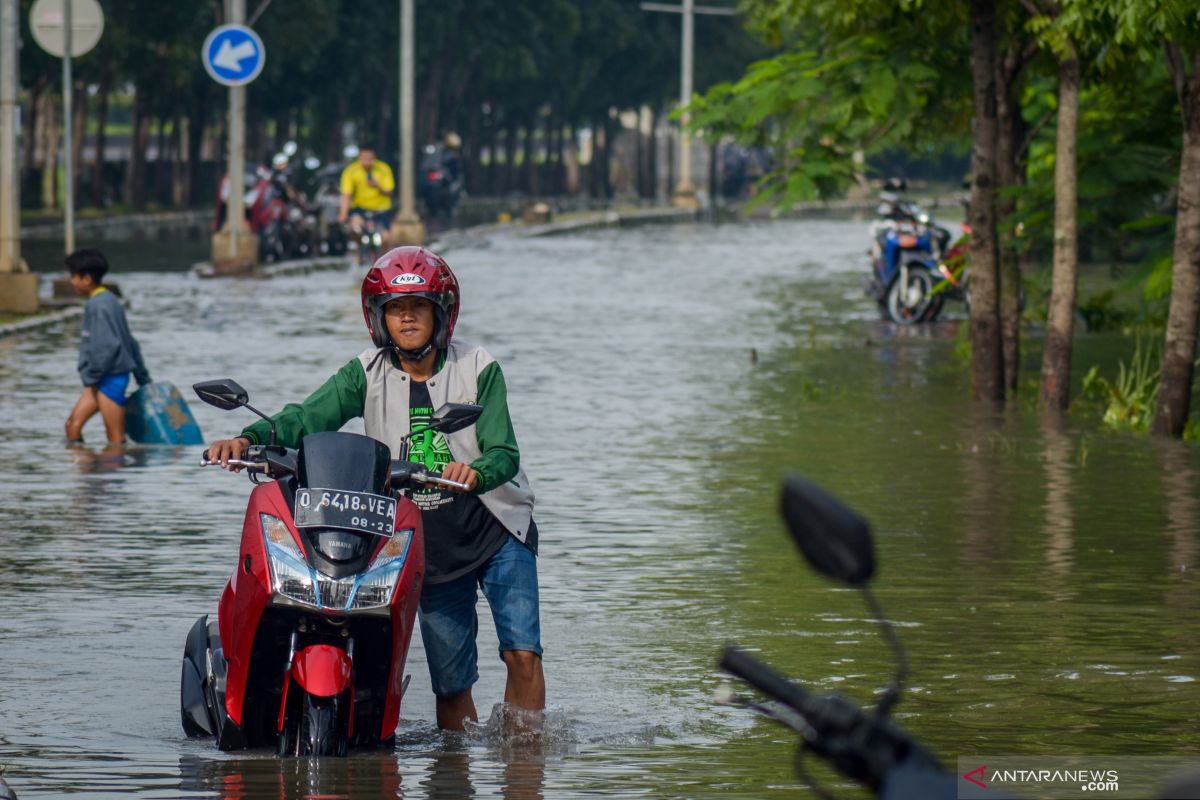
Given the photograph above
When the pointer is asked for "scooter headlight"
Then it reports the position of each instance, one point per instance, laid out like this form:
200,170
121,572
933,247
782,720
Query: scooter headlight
374,588
290,575
293,578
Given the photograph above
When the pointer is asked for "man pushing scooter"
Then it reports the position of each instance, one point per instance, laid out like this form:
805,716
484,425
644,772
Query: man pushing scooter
484,537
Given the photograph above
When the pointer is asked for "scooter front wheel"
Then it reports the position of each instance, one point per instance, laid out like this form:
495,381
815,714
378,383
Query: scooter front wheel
319,733
912,300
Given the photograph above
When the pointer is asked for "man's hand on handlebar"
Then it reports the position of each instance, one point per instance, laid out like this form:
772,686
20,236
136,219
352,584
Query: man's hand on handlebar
223,450
458,471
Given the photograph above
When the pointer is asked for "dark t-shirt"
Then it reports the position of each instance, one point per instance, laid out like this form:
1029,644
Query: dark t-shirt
460,533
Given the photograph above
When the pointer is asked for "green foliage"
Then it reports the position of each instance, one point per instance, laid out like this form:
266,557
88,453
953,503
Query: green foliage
816,110
861,76
1128,401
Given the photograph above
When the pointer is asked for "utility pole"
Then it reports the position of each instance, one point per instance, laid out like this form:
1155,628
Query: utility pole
406,226
18,286
685,190
68,133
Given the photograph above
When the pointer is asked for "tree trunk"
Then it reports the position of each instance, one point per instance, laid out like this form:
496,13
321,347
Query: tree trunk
179,135
986,363
610,136
1060,322
493,170
135,168
1179,349
49,148
98,171
162,174
195,147
652,161
80,122
510,156
529,159
1009,174
32,140
570,159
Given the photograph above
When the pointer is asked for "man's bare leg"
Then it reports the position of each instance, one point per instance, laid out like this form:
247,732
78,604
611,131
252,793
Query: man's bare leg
526,686
451,711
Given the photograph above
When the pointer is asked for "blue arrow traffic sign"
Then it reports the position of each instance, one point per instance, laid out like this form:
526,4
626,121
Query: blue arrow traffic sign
233,55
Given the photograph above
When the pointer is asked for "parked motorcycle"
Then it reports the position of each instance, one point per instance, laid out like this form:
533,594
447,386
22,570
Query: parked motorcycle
908,269
275,213
866,746
313,627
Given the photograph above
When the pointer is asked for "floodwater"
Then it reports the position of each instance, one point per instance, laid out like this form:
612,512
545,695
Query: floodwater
662,382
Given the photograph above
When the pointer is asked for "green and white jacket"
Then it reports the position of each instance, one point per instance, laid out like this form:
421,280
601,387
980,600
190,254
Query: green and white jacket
467,374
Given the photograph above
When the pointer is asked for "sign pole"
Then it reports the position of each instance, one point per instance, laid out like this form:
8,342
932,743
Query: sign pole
235,210
68,134
233,55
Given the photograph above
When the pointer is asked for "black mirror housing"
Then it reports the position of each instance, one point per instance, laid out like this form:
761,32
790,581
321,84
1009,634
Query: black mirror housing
834,539
454,417
224,393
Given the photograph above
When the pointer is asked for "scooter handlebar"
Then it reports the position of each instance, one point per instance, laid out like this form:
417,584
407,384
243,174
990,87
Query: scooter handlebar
434,479
860,745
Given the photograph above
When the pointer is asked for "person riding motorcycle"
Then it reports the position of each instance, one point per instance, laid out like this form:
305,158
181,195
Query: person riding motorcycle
367,185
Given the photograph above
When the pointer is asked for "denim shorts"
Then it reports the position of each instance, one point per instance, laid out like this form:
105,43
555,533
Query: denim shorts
113,387
449,623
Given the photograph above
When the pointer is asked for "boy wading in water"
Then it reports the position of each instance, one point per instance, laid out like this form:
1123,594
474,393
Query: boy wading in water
108,353
484,538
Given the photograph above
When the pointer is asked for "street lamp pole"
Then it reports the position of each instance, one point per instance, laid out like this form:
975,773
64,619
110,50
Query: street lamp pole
68,134
406,227
685,190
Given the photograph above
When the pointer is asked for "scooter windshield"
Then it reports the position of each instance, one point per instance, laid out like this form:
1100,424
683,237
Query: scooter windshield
342,499
345,461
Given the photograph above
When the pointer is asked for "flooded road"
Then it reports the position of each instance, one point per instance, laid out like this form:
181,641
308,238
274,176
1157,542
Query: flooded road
662,381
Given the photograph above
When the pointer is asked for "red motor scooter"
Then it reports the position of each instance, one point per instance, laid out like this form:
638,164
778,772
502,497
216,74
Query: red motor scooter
313,627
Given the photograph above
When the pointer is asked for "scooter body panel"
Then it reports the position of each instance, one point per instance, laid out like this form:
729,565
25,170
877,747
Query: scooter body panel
247,594
322,670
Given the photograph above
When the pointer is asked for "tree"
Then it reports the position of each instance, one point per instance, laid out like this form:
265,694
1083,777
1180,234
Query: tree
1173,27
987,365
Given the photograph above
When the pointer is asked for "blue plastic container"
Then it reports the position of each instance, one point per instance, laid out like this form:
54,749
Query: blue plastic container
157,414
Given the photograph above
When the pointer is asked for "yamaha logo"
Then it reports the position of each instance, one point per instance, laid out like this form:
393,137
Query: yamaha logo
407,279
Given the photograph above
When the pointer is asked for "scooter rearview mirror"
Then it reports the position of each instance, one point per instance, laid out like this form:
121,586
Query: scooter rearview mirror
834,539
225,393
455,416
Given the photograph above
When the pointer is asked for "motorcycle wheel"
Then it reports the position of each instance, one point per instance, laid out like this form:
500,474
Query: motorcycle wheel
319,734
914,302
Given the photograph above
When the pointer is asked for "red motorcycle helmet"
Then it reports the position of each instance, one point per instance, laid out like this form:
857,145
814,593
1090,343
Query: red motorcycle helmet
410,272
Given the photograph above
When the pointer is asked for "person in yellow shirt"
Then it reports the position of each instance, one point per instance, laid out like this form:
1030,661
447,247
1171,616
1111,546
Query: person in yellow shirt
367,185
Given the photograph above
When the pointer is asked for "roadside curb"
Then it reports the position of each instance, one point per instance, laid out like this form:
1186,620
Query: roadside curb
192,217
40,321
591,221
280,269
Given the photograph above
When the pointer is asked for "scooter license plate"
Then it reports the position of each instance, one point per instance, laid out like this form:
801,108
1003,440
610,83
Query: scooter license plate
354,511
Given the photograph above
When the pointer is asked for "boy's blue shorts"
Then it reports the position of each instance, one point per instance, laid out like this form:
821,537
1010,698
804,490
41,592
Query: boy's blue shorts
113,387
449,623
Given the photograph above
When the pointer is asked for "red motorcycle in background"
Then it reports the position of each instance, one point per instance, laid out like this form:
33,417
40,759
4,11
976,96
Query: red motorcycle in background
275,213
313,627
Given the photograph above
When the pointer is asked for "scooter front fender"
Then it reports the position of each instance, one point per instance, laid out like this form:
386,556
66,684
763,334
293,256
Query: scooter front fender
322,670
